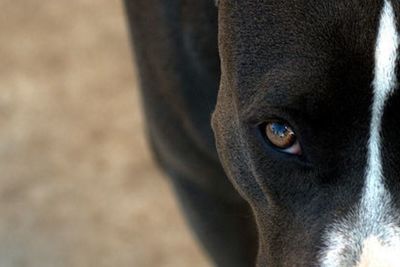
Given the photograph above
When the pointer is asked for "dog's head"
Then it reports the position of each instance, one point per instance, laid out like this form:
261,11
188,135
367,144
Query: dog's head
306,125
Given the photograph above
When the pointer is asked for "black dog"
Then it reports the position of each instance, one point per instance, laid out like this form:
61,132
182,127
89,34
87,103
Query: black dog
305,125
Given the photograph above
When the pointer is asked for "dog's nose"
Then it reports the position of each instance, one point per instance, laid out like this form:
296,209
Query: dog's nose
377,254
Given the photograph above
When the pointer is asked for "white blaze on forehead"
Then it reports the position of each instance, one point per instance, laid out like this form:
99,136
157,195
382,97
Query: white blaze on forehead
374,218
384,84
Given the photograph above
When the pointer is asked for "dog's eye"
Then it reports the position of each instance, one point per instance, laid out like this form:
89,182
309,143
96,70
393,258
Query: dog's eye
282,137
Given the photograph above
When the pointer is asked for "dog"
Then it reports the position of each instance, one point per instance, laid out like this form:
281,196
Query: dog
301,164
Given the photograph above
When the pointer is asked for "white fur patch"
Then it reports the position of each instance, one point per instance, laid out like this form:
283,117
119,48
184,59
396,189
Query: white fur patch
375,253
348,242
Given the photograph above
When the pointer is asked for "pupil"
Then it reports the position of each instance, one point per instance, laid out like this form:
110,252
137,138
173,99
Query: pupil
279,129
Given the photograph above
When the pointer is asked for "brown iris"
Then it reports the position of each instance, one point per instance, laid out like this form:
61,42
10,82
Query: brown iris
280,135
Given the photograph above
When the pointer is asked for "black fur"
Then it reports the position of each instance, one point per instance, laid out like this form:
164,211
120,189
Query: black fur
309,62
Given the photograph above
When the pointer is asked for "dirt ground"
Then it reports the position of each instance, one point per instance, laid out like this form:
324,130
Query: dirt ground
77,184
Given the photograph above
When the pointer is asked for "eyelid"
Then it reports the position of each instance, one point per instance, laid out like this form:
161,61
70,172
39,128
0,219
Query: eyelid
272,114
295,149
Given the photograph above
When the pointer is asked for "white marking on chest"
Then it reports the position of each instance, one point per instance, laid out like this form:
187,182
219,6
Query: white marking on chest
374,218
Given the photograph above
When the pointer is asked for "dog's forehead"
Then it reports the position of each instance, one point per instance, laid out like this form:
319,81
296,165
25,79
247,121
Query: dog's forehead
296,42
295,25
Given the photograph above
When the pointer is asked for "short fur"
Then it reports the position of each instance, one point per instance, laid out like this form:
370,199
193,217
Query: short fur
309,62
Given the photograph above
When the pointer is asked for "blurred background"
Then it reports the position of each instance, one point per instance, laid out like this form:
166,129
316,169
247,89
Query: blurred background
77,183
